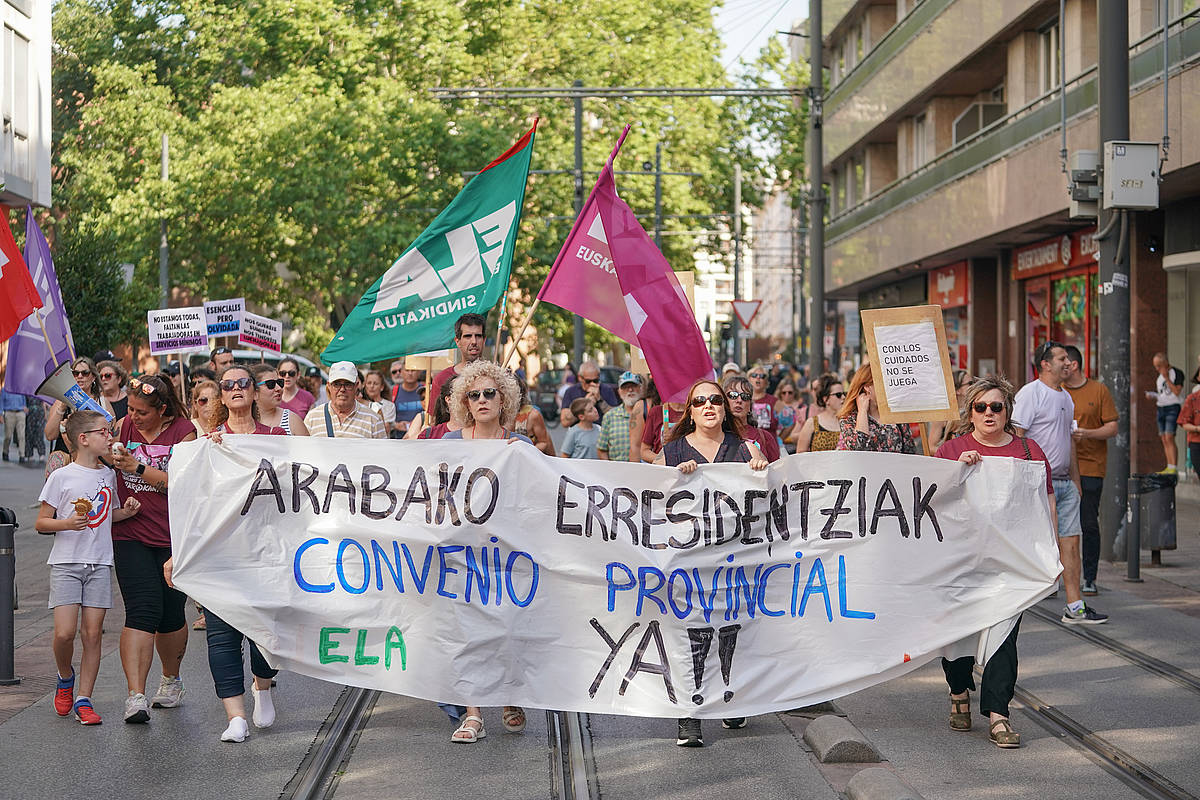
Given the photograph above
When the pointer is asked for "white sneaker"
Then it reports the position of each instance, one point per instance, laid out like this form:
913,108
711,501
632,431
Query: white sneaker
264,707
237,731
136,709
170,693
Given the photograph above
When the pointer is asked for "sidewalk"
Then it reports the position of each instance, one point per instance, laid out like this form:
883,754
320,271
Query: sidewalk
1176,583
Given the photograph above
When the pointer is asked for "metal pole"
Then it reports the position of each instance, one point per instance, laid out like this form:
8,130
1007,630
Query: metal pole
578,101
816,216
1115,366
8,578
164,282
658,196
1133,533
739,352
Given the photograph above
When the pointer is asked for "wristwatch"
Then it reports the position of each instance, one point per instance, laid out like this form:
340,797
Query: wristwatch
141,469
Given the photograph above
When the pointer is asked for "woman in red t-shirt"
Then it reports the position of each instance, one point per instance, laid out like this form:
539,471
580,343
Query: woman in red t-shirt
987,430
739,392
155,422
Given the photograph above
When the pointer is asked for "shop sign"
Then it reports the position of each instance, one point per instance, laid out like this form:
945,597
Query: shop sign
1054,255
948,286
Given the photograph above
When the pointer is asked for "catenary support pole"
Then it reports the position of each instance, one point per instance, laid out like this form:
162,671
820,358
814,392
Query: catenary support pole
739,350
816,215
1115,365
577,350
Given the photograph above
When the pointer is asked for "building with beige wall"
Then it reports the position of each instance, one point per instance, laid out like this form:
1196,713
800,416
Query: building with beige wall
943,131
25,102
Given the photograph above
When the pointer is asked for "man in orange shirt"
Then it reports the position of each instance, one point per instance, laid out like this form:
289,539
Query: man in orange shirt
1096,422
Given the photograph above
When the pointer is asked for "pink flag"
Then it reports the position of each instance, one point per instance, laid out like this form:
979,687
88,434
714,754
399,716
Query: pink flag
583,279
610,272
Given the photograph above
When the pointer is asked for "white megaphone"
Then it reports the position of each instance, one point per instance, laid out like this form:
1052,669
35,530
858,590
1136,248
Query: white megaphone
61,384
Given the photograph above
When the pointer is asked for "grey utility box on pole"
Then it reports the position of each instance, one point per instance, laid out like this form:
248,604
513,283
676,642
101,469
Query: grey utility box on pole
1131,175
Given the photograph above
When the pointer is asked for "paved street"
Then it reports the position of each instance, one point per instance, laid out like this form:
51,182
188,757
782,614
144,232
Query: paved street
403,750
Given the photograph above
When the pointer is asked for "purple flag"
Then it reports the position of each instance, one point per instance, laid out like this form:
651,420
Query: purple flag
29,360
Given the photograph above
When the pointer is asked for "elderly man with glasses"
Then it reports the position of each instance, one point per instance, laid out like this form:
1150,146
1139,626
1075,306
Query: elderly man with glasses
603,394
344,417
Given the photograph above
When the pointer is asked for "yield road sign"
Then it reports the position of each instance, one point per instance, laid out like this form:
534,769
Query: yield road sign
745,310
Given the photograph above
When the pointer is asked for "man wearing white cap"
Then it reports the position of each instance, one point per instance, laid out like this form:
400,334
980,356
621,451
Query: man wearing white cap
730,368
343,417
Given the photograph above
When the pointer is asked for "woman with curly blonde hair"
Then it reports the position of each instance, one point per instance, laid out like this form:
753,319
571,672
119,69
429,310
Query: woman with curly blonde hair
483,405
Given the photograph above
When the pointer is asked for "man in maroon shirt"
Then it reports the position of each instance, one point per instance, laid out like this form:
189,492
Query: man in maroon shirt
468,335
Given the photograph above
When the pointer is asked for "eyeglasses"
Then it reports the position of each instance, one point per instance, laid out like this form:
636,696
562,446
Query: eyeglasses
699,401
145,387
236,383
739,395
341,386
488,394
982,407
758,375
287,373
81,373
271,383
838,395
105,431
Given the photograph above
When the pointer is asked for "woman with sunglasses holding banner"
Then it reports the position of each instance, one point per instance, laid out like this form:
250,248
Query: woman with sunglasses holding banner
483,405
268,397
709,433
154,617
236,412
986,429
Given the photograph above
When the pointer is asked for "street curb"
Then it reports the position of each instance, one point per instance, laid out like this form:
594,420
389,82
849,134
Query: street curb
835,740
878,783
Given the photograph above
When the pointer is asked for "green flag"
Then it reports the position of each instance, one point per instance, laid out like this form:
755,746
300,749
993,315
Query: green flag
459,264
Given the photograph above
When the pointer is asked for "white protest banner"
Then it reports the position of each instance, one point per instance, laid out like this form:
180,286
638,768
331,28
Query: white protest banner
224,317
910,364
261,332
174,330
486,573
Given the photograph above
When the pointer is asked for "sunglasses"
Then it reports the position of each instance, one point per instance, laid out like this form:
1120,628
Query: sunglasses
739,395
271,383
202,401
475,394
839,395
145,387
699,401
589,380
220,351
287,373
394,372
982,407
758,375
238,383
81,373
786,391
107,376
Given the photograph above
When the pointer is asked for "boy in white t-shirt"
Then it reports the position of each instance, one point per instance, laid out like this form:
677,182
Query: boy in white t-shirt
77,507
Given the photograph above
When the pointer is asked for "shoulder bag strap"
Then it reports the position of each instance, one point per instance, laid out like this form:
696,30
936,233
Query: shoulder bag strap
1025,444
328,422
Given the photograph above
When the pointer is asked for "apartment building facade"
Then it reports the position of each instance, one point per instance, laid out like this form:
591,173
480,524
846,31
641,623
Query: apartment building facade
25,102
943,131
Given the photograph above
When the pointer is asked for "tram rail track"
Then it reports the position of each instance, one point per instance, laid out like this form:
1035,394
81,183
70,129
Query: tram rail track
1132,771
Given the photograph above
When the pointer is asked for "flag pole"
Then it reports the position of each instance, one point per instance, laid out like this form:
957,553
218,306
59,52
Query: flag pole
500,328
521,335
37,312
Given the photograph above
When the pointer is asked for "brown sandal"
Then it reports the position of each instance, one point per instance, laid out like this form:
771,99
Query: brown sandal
1005,737
960,713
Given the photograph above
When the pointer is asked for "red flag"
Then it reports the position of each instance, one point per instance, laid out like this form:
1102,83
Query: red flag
18,296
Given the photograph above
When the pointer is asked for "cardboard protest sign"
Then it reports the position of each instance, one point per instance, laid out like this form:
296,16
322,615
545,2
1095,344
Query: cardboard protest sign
175,330
910,364
224,317
261,332
486,573
432,362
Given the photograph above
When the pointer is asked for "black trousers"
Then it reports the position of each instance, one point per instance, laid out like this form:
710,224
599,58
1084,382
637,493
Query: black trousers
999,676
1089,520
